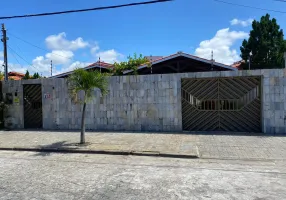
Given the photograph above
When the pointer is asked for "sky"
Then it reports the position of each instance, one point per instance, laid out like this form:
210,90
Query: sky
79,39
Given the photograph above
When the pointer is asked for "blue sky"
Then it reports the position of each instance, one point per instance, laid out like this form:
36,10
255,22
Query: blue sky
195,27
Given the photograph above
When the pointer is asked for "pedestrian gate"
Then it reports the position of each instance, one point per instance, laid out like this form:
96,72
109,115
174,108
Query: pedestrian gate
33,106
222,104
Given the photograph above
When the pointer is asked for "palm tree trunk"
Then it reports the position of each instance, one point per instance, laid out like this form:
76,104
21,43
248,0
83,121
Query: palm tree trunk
82,133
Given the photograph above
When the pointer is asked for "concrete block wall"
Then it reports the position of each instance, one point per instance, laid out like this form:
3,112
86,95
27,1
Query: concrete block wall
137,103
143,103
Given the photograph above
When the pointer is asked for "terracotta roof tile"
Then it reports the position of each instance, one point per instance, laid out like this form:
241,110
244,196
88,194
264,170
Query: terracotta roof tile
96,64
238,64
16,74
103,64
16,78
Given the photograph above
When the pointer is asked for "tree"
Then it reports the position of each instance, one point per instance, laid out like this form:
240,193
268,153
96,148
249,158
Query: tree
132,64
86,81
36,76
265,42
27,75
1,76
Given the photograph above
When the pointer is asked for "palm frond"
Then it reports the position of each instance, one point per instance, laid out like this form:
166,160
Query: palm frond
87,81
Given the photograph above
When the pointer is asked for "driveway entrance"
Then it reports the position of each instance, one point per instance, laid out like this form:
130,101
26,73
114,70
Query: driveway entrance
222,104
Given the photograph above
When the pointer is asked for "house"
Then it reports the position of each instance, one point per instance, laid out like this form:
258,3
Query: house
15,76
238,65
180,63
99,65
176,63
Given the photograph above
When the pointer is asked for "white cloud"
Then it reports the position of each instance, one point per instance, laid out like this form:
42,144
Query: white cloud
72,66
243,23
43,64
59,42
109,56
94,49
15,67
63,53
60,57
221,45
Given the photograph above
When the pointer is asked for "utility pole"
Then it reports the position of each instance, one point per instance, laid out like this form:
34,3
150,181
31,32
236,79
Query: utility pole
284,59
51,68
151,63
212,60
250,54
4,40
99,64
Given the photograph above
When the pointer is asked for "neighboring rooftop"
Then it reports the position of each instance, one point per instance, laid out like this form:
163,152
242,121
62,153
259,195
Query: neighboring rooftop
175,63
15,76
179,63
105,67
238,64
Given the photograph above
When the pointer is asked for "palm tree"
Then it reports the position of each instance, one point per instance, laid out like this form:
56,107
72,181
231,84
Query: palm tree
86,81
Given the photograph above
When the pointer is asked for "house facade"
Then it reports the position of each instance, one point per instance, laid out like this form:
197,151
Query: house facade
251,101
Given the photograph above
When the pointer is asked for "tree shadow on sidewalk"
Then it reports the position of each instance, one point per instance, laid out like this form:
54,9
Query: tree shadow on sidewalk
60,147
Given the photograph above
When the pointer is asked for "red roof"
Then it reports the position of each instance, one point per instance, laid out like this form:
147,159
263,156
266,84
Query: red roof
101,64
98,64
16,74
238,64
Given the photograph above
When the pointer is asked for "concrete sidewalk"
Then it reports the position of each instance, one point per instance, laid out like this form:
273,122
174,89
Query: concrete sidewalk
153,144
164,145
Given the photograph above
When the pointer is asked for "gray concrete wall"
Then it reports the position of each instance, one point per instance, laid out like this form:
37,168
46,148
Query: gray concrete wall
142,103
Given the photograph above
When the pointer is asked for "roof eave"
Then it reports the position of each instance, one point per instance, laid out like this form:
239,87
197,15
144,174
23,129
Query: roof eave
70,72
185,55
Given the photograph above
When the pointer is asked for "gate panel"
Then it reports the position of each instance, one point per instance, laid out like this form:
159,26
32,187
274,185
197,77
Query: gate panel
33,117
222,104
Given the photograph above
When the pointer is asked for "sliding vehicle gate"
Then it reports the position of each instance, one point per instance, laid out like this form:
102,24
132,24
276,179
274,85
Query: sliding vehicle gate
222,104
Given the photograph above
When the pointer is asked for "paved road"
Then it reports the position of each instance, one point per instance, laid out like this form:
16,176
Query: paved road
29,175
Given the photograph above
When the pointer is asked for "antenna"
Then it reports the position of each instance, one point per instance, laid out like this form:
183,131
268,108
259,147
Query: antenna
51,68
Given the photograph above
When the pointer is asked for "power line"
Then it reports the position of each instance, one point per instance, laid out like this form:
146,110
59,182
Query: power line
21,57
16,59
11,69
281,0
85,10
246,6
36,45
71,58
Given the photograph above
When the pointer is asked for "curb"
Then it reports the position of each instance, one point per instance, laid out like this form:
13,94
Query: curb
108,152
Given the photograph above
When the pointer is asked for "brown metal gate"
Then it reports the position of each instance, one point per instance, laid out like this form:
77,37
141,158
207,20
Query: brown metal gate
33,117
222,104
